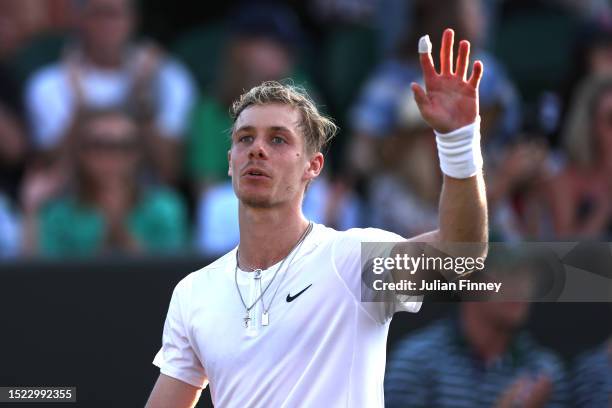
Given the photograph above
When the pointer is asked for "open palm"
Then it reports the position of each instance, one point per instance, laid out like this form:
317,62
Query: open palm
450,100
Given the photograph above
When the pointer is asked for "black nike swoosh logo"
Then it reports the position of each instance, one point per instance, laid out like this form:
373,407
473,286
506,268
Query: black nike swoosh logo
292,298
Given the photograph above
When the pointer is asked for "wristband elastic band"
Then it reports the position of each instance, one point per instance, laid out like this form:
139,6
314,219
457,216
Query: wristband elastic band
459,151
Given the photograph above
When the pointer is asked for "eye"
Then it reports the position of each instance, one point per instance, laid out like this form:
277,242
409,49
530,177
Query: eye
278,140
245,139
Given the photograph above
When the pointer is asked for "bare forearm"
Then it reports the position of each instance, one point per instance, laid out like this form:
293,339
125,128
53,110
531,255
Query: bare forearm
170,392
463,210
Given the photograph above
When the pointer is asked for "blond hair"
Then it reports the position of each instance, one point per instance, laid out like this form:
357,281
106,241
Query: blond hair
317,129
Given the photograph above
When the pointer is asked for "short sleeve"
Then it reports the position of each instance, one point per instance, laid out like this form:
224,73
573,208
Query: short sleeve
49,107
177,358
177,97
347,258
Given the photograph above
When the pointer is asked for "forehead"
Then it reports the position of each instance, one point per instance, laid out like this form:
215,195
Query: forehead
269,115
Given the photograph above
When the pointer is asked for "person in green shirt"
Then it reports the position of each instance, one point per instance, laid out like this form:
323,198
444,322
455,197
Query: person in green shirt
108,209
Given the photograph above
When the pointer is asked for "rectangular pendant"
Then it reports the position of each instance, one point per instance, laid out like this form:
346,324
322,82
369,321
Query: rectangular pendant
264,319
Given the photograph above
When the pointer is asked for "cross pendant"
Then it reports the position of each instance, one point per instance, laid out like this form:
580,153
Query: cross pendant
246,319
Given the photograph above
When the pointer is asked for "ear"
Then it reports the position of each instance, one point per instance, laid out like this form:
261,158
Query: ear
229,162
314,166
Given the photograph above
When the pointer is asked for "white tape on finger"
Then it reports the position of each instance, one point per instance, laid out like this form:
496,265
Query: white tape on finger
459,151
425,46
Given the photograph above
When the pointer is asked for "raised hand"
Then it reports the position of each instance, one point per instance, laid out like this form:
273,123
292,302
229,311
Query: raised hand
450,100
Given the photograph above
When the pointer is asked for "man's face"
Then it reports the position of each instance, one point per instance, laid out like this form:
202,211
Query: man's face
268,161
505,316
107,24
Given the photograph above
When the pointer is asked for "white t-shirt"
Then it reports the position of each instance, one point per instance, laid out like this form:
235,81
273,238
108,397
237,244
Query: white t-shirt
50,100
322,347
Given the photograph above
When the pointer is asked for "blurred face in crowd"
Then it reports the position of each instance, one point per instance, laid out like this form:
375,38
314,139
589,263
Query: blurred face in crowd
506,316
473,16
600,60
109,149
602,122
258,59
268,161
106,25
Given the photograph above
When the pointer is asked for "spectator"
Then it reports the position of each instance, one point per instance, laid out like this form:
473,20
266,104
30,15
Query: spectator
581,195
593,378
105,69
592,57
404,196
260,48
13,139
106,208
479,358
517,177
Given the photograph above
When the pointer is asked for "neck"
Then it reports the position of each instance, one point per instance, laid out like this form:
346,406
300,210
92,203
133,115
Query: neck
488,341
104,59
268,235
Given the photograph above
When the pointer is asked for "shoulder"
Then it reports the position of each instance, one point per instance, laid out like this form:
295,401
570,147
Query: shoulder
172,69
592,361
426,343
45,78
162,199
540,356
208,274
59,207
325,234
369,235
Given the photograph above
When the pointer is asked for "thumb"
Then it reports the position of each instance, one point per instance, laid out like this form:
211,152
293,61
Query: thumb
420,96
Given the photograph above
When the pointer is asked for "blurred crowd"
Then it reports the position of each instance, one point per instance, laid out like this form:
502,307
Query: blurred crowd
111,142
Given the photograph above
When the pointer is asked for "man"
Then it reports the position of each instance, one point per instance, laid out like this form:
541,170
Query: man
477,358
592,377
278,321
105,69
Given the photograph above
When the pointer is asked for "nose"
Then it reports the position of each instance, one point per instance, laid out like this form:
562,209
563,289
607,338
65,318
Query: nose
257,150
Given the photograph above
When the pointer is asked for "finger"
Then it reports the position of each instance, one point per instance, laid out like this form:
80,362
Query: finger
427,65
463,59
476,74
446,52
420,96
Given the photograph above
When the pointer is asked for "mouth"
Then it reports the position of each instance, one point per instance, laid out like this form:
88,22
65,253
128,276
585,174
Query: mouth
253,172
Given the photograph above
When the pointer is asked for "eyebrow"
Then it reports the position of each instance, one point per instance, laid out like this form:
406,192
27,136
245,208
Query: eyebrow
274,128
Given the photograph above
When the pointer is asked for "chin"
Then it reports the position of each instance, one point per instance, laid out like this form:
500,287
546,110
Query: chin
255,200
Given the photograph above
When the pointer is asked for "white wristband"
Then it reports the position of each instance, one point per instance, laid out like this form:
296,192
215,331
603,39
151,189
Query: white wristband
459,151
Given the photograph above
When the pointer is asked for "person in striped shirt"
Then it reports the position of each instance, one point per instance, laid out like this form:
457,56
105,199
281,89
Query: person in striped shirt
592,378
478,357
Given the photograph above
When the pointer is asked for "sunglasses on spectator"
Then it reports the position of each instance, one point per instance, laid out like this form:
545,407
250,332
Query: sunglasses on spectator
103,144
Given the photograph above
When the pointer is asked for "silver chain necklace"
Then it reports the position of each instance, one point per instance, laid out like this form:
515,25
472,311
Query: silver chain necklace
265,318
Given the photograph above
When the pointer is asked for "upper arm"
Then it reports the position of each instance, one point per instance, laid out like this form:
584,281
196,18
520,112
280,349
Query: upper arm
48,103
170,392
178,355
177,98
